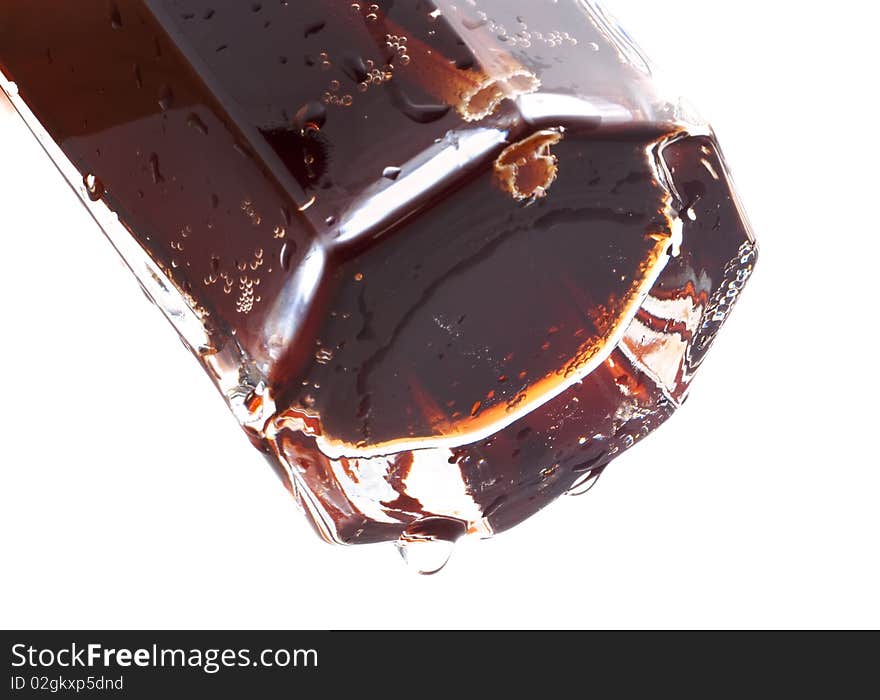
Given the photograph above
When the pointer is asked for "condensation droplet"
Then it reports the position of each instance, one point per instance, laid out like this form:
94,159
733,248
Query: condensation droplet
154,169
310,118
166,98
94,187
481,21
194,122
287,251
115,16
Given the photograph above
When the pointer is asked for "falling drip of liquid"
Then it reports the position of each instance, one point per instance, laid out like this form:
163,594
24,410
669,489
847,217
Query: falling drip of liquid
419,113
427,544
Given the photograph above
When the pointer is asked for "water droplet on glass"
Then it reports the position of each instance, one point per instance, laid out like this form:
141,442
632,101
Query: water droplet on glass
166,98
193,122
355,68
310,118
314,27
475,23
154,169
391,173
115,16
94,187
287,251
419,113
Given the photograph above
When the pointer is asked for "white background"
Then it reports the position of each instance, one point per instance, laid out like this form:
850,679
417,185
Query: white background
129,497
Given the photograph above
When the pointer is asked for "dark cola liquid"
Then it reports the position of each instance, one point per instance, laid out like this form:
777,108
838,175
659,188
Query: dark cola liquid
354,193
